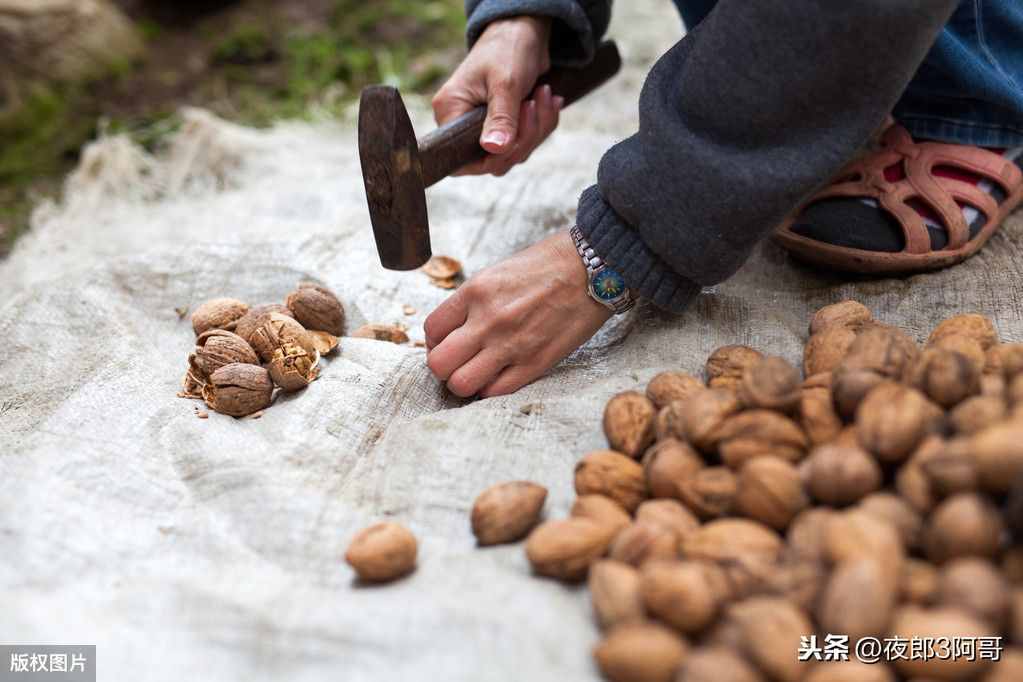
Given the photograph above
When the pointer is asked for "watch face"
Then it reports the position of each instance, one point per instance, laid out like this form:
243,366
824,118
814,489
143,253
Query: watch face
607,285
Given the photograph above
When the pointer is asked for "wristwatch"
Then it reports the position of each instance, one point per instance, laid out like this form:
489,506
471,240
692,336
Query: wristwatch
605,286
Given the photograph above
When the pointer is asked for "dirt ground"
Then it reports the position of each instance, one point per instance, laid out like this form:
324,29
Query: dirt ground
249,61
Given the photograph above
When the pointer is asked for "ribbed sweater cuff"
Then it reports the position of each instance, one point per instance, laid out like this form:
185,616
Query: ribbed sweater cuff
623,249
573,42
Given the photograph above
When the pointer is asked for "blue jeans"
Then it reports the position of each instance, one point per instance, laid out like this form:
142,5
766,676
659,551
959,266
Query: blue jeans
969,89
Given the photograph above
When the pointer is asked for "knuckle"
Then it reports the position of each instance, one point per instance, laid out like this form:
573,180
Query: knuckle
433,362
460,386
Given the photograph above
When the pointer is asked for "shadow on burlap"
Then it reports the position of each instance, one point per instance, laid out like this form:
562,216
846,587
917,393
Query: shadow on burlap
211,549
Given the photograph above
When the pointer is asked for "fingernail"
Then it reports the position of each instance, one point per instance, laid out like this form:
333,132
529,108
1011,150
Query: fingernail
498,138
559,102
547,92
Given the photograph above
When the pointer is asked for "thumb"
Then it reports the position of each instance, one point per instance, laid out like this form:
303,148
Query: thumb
501,126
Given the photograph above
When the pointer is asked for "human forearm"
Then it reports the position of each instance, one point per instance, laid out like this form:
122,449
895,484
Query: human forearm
740,122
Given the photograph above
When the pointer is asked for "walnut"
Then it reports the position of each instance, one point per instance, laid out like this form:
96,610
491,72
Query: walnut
671,515
975,585
257,317
506,512
855,534
726,365
640,652
898,512
381,332
770,491
317,309
965,346
882,349
238,389
920,580
745,550
219,313
963,525
644,541
1004,359
611,473
806,534
383,552
838,476
893,419
912,483
946,376
844,314
975,327
679,593
850,671
629,423
710,492
770,383
670,421
795,579
997,452
716,664
702,418
603,511
976,414
757,433
614,591
277,331
817,415
952,469
670,386
858,599
292,367
849,387
770,628
933,626
827,348
667,464
564,549
217,347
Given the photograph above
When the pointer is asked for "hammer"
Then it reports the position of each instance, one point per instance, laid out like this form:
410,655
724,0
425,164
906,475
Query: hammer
397,168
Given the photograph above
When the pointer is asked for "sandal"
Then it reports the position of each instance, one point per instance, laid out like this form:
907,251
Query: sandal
907,207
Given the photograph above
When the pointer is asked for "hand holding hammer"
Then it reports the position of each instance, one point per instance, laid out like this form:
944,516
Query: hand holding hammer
397,168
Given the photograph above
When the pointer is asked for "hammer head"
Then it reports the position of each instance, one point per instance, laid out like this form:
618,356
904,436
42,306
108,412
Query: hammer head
394,180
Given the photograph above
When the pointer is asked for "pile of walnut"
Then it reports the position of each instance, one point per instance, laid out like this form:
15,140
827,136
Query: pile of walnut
242,353
730,519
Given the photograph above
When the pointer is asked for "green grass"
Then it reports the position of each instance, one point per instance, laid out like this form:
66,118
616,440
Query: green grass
258,71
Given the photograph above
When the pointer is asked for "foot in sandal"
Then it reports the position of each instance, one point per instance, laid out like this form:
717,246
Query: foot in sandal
907,207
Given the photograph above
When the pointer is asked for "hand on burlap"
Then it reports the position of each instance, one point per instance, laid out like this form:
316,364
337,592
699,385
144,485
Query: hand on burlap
500,71
512,322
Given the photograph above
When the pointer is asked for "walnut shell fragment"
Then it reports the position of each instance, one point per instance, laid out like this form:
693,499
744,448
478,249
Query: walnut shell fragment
443,271
218,313
381,332
323,342
238,390
317,309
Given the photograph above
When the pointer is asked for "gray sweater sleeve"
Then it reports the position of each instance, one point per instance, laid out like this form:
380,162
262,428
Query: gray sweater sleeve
577,26
740,122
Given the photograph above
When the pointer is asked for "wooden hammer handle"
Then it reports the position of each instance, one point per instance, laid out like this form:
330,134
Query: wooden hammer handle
457,144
